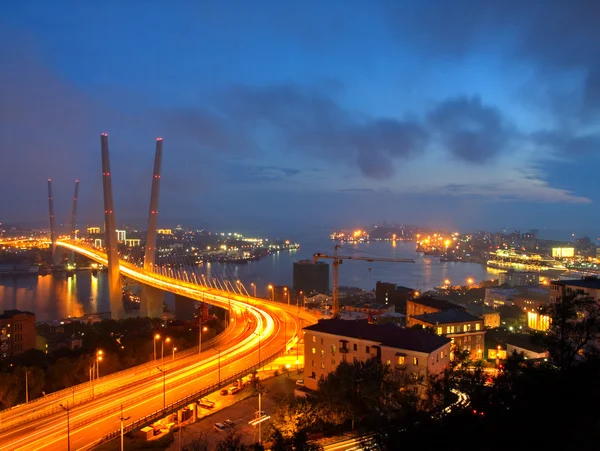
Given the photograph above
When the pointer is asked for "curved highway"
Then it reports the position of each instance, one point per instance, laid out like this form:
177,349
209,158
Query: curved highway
258,334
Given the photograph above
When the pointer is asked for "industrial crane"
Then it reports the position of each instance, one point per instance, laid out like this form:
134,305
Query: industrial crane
337,261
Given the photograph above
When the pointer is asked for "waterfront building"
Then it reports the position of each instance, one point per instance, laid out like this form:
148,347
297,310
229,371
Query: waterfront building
514,278
414,353
496,297
311,277
17,332
491,318
465,330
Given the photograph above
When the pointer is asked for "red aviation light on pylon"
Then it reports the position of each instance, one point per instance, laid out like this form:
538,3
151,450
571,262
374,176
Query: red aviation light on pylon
104,134
159,139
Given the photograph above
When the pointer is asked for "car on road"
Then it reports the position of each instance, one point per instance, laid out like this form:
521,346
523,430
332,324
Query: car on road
224,392
220,427
233,390
206,403
229,423
300,383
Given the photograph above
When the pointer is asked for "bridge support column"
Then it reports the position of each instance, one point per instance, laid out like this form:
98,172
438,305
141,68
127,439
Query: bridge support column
152,302
185,308
115,292
195,413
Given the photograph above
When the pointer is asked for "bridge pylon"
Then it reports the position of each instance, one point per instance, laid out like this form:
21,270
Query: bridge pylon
112,252
52,222
153,298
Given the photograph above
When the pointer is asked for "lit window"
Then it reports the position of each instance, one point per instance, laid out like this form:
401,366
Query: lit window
322,366
389,362
439,331
400,360
415,361
333,349
314,339
452,329
477,326
314,351
447,329
322,353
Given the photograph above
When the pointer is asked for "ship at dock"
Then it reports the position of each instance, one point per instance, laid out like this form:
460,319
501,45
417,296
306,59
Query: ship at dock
525,261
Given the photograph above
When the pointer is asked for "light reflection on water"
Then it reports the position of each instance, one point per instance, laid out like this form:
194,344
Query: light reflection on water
57,296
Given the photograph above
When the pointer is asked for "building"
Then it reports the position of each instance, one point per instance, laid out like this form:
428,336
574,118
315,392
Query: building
491,318
17,332
423,305
514,278
533,303
465,330
415,353
589,285
133,242
93,230
164,231
370,308
121,236
563,252
311,276
522,344
390,293
497,297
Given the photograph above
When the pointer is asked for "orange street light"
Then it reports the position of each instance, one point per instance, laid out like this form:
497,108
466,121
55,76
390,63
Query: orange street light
470,281
156,337
272,293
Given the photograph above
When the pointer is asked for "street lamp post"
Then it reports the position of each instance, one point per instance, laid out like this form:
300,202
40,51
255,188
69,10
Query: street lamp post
174,349
156,337
26,385
162,351
68,426
287,294
272,293
98,360
253,285
122,419
164,373
202,329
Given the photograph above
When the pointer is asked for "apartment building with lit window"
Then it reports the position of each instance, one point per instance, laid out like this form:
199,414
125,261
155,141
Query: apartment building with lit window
589,285
415,353
465,330
17,332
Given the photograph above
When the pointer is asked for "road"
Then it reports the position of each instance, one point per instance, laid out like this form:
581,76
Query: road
267,327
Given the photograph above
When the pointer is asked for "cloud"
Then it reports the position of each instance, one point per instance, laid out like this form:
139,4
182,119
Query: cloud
248,173
566,142
470,130
305,120
557,37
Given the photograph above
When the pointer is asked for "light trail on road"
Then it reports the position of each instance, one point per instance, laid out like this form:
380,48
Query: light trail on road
92,420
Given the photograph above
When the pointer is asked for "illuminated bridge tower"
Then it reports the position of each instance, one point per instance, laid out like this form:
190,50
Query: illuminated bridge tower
52,222
153,298
74,221
114,281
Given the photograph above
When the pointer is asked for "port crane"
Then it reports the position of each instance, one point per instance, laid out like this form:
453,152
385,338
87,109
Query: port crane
337,261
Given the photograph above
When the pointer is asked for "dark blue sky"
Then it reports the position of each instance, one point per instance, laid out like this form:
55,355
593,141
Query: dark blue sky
283,115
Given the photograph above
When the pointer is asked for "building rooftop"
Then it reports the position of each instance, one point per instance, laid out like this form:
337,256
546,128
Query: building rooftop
10,313
479,309
385,334
525,342
447,317
439,304
587,282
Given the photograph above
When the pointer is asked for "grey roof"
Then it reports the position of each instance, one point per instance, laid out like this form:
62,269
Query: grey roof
440,304
588,282
385,334
447,317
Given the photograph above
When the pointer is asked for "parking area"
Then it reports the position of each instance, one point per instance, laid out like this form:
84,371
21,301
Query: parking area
238,409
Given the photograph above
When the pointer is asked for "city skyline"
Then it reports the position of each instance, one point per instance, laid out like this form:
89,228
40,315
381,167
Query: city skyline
309,116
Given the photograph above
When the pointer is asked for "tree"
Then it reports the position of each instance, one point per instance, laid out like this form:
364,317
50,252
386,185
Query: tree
300,442
232,442
574,328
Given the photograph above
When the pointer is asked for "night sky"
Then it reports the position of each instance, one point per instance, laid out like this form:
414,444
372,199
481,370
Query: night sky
283,115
